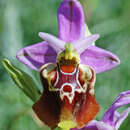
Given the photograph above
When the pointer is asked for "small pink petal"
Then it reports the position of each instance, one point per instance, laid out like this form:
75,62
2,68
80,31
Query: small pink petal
83,44
57,44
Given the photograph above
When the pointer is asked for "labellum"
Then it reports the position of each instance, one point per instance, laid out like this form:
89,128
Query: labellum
68,91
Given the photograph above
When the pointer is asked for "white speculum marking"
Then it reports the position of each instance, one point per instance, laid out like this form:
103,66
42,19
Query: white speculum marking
70,95
74,88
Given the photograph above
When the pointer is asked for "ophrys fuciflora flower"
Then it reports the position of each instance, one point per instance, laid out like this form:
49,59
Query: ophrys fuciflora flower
67,66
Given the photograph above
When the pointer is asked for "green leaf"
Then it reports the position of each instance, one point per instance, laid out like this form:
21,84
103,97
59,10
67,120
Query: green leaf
22,80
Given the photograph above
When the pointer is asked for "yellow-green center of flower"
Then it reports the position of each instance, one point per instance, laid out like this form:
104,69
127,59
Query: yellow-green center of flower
69,56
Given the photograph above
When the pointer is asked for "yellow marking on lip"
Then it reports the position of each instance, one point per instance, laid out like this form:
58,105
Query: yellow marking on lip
67,124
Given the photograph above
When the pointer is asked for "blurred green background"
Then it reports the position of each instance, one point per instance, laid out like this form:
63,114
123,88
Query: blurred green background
20,22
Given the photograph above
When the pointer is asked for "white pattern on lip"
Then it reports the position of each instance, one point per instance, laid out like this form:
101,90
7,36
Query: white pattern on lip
74,86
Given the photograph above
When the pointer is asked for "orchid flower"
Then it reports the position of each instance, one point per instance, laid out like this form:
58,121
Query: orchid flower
67,65
112,119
